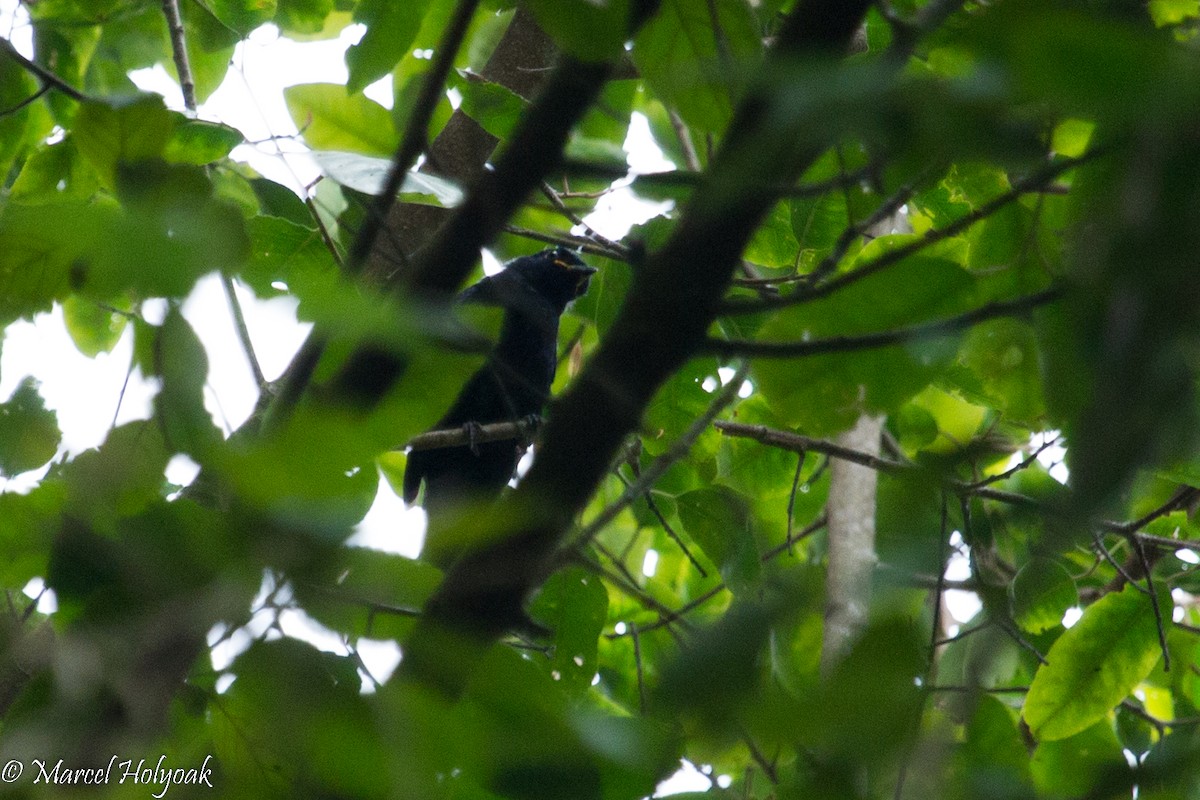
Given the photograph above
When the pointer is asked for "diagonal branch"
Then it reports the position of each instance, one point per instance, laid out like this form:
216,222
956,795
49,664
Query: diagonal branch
44,75
936,329
1033,182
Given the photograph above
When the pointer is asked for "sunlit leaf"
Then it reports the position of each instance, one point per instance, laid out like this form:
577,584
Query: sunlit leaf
1094,665
29,434
332,119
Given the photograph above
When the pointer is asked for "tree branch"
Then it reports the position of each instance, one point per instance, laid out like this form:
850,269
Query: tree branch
458,437
881,262
183,67
44,75
1019,306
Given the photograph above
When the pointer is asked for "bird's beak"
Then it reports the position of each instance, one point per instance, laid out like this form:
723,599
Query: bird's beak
583,276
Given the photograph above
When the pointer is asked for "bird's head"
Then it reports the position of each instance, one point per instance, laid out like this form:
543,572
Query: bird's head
557,275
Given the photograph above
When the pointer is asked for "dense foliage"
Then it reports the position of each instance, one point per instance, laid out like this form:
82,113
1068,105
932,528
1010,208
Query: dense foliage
979,220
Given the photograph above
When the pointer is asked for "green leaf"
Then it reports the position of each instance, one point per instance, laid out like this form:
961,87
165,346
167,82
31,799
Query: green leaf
210,45
198,142
1040,594
286,257
29,434
303,16
277,200
368,174
774,244
243,16
993,760
868,706
1081,63
294,721
35,259
1072,136
122,131
1004,356
826,393
119,479
28,524
495,108
1173,12
573,603
368,593
677,404
332,119
1074,766
182,365
391,28
58,171
718,519
679,56
170,231
94,327
1094,665
589,31
16,87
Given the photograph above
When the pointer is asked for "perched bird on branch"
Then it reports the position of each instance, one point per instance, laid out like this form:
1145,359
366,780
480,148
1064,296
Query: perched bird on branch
513,385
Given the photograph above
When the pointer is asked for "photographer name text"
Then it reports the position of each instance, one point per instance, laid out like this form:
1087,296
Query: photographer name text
158,776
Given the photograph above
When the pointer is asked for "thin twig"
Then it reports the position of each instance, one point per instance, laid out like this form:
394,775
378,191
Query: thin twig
568,240
852,232
984,689
913,333
662,520
1098,541
1013,633
44,75
42,90
562,208
808,530
637,660
939,590
786,440
1025,464
183,67
1173,544
1182,497
625,584
660,465
791,504
667,619
243,332
963,634
693,178
1140,550
690,157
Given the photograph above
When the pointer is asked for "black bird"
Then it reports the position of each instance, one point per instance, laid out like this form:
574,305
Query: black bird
512,385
